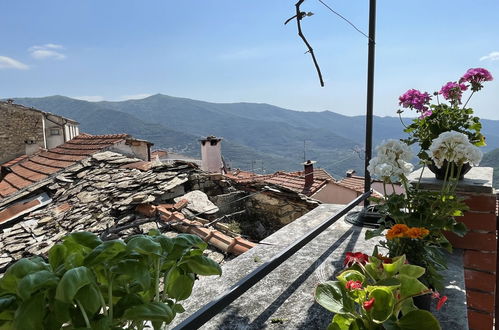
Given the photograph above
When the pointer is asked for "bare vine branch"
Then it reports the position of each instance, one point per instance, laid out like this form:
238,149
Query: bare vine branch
299,15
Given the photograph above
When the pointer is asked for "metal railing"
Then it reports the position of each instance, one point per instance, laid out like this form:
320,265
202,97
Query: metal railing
211,309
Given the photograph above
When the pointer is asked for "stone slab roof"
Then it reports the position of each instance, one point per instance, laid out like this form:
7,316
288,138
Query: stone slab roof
98,194
25,171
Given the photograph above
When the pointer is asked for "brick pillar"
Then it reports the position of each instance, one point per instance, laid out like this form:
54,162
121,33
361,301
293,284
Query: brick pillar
479,245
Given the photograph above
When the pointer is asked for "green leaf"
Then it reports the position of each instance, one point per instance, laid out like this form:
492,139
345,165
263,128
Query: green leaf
34,282
30,314
412,270
74,259
332,296
393,268
57,254
418,319
104,252
144,245
17,271
84,238
188,240
72,281
407,306
410,286
179,285
132,271
341,322
89,298
202,265
130,300
166,242
383,305
153,311
351,275
178,308
7,301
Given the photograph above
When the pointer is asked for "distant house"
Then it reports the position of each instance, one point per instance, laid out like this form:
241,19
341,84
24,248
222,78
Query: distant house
25,130
357,182
314,183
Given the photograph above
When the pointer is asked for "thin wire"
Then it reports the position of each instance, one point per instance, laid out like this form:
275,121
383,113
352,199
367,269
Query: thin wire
346,20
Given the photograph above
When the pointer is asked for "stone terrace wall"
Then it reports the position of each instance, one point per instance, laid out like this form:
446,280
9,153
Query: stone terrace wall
18,124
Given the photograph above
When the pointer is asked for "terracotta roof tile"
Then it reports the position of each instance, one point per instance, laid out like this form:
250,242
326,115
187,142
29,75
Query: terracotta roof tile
28,170
319,173
14,161
354,182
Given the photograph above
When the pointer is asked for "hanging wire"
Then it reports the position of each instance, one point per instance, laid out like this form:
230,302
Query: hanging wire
345,19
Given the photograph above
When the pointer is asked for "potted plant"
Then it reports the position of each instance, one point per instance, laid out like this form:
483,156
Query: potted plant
376,293
414,223
90,284
440,117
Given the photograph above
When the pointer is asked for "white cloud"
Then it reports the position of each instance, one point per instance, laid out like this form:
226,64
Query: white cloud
10,63
493,56
134,96
47,51
90,98
46,46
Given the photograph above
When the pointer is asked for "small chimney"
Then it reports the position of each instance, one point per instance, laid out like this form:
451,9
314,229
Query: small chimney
31,147
309,173
211,155
350,173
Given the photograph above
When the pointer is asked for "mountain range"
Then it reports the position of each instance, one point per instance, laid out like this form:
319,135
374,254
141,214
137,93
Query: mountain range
257,136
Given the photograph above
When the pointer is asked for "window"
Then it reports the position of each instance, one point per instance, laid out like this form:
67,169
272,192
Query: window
55,131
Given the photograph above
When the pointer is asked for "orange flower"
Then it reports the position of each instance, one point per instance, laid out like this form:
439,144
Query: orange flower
417,232
398,230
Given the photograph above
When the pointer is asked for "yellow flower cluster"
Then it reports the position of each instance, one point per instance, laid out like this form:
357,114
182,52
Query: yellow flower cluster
403,231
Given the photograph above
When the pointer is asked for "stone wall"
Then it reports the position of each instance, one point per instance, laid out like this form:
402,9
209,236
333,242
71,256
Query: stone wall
18,124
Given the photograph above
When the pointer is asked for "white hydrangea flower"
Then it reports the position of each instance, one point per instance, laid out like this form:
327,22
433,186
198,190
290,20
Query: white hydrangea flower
454,147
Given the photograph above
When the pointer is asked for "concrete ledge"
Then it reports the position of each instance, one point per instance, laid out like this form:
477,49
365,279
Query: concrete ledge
284,299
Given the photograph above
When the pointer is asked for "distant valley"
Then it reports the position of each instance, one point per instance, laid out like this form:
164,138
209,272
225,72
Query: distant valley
257,136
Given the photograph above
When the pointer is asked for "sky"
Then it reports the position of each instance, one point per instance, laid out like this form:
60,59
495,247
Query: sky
241,51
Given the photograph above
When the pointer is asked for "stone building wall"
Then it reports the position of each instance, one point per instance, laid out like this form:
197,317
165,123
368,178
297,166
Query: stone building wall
18,124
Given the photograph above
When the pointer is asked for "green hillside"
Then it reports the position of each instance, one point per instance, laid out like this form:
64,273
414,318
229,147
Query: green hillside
253,133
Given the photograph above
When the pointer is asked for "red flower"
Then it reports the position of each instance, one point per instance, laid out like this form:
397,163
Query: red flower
441,302
356,257
368,304
353,285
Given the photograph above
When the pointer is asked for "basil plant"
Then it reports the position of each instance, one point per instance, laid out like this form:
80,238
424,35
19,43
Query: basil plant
92,284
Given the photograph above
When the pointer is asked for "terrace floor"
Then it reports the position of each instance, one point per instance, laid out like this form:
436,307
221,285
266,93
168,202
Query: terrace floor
285,298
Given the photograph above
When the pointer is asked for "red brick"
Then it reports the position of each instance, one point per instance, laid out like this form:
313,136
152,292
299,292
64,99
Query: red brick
479,280
480,301
473,241
181,204
481,202
479,221
479,321
480,260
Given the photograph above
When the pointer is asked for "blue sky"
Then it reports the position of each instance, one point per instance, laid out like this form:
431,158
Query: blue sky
232,51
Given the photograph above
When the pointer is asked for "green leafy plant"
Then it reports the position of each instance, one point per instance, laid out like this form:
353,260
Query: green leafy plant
91,284
375,294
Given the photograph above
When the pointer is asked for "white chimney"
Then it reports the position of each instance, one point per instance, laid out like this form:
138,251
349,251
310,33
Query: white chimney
211,154
31,147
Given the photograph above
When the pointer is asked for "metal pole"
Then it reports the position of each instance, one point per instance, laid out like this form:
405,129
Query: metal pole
370,95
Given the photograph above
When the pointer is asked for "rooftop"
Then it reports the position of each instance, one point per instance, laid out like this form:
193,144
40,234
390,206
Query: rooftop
25,171
10,103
